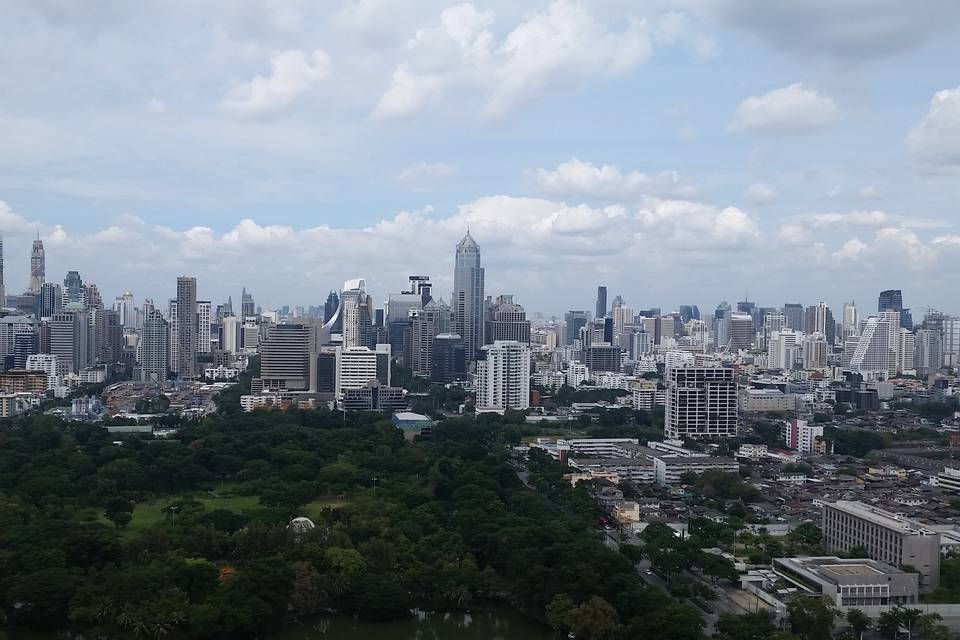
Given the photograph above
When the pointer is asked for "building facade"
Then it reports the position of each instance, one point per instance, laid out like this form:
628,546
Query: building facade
701,403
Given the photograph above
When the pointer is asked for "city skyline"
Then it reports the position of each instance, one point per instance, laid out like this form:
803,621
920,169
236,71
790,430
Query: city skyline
663,149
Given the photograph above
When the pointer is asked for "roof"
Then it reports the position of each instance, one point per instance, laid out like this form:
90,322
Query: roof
409,416
468,243
881,517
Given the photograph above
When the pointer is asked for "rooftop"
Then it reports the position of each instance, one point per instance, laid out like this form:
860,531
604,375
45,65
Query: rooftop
881,517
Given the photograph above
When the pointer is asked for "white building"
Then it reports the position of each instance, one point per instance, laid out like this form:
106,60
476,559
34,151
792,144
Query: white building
701,403
669,469
503,377
357,366
758,400
815,350
203,326
577,374
783,350
231,334
49,364
801,436
948,479
221,373
872,356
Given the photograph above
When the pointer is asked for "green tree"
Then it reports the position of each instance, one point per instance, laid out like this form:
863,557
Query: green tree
558,611
594,619
811,618
858,621
751,626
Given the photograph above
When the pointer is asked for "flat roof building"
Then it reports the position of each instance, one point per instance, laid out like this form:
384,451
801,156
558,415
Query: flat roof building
885,536
851,582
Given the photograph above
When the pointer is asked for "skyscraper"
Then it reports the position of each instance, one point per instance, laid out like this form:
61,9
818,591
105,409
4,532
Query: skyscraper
51,299
892,300
186,346
793,311
468,296
702,402
356,314
73,289
247,307
3,289
601,301
574,321
38,265
125,307
204,311
155,348
507,321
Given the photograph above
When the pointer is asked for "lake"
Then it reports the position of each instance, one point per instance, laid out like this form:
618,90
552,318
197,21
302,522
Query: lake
499,623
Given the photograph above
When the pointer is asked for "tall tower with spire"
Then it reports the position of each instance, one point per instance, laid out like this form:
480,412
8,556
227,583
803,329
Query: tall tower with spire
468,296
38,266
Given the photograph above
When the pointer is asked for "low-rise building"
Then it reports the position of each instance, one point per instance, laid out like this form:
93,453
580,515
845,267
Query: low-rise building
760,400
669,469
850,583
632,470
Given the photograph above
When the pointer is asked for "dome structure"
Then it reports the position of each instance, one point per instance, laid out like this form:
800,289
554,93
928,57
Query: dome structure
301,525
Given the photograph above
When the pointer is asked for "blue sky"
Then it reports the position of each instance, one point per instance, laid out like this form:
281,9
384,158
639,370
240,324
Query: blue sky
677,151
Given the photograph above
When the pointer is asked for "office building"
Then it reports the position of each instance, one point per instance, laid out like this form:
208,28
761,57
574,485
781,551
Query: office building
69,339
373,396
204,311
851,320
892,300
794,314
425,325
741,332
285,357
508,321
602,356
574,321
773,322
247,307
503,377
356,314
186,333
601,301
38,266
73,290
701,403
689,312
356,366
885,536
230,334
468,297
91,296
124,305
155,348
11,327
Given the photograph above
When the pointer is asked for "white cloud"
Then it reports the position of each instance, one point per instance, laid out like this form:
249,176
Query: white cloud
685,225
561,43
420,172
870,192
851,250
791,108
761,193
794,234
292,73
585,179
935,142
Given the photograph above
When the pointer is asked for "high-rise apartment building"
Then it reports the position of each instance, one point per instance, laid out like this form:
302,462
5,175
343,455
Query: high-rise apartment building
230,334
204,312
741,332
851,320
186,344
702,402
503,377
885,536
3,289
951,341
873,354
601,301
38,266
155,348
124,304
468,298
783,350
248,308
928,356
803,437
815,351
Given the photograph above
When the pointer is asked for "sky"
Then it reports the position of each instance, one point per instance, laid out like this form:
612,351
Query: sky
676,151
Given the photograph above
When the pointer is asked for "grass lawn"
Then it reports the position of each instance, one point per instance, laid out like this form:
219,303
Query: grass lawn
149,513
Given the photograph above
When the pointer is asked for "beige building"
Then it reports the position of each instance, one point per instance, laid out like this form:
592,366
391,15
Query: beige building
885,536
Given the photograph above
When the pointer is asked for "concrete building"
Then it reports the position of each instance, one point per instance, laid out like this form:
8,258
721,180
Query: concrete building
803,437
886,536
761,400
701,403
508,321
741,332
230,334
373,396
468,298
356,314
50,365
947,479
503,377
356,366
928,353
285,357
204,322
186,333
155,348
448,362
602,356
850,583
669,469
69,339
873,356
573,322
23,381
815,351
38,266
783,349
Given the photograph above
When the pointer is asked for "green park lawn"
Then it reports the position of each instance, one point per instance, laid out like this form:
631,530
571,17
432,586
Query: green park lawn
149,513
